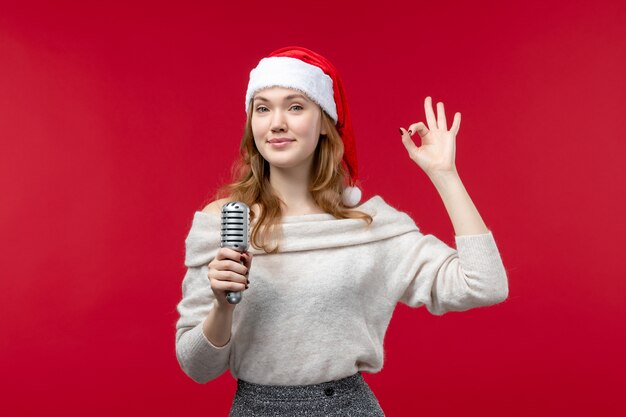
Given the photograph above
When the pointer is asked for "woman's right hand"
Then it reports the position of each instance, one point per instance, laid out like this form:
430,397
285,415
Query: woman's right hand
227,273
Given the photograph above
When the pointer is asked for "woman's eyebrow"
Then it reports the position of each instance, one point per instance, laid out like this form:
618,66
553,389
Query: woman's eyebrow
289,97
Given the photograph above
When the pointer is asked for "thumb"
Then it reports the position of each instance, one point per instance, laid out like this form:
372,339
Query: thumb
247,259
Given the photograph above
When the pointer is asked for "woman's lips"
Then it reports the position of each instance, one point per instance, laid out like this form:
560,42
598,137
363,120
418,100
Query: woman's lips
280,140
280,144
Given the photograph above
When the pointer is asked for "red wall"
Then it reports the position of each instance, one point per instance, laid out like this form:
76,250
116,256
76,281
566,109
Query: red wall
118,121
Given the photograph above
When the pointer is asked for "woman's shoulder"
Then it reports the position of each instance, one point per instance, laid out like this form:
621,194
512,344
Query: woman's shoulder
215,207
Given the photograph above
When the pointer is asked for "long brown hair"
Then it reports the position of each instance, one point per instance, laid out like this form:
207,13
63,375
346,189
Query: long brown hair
251,183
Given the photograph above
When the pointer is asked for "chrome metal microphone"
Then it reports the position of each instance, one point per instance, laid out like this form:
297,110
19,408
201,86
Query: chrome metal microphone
235,232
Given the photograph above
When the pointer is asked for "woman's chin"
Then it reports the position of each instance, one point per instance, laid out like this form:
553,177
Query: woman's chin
284,163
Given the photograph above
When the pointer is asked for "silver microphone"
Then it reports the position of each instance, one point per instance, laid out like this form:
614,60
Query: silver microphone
235,232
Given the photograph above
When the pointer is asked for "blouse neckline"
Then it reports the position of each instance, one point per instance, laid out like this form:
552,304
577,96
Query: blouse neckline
311,217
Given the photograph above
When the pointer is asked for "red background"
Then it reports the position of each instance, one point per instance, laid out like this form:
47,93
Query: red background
119,120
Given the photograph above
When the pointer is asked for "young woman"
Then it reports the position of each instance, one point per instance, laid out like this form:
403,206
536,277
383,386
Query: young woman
327,271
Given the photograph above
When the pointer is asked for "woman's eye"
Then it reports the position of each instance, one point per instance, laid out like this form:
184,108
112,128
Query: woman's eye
259,109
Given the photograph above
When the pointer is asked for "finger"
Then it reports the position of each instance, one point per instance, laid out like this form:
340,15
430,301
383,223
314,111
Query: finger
456,123
230,276
228,265
229,286
408,143
228,253
430,115
420,128
441,117
241,268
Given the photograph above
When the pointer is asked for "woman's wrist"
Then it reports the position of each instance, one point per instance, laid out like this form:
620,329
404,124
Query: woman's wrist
222,309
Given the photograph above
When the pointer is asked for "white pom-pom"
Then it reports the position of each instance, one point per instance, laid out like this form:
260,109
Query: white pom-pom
351,196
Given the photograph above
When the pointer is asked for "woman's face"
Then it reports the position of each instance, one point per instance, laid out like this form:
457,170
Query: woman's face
279,112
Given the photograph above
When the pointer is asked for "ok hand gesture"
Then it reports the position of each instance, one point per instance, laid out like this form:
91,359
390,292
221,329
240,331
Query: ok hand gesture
436,155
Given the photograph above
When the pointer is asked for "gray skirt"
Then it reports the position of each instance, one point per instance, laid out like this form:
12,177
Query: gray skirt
350,396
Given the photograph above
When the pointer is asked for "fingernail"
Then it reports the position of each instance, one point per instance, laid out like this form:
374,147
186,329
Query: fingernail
248,281
401,132
410,132
246,287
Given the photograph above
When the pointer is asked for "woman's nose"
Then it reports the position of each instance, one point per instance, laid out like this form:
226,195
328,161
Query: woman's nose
278,120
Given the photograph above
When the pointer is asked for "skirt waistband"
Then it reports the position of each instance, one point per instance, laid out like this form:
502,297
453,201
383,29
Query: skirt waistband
300,392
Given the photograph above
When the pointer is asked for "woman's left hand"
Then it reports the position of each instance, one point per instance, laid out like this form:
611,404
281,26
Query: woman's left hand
437,154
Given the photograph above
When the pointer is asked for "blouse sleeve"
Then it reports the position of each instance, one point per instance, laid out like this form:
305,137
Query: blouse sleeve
446,279
197,356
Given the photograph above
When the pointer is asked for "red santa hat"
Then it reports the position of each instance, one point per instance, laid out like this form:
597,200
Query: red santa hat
302,69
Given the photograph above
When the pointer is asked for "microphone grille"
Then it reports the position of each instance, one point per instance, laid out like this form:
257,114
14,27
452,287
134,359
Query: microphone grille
235,226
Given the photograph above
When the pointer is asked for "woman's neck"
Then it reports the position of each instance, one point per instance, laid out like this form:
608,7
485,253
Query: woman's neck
292,188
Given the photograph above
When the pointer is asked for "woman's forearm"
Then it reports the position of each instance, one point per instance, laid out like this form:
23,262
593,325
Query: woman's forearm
463,214
217,326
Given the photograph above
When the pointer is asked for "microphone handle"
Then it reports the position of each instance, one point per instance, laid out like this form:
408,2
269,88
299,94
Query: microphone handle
234,297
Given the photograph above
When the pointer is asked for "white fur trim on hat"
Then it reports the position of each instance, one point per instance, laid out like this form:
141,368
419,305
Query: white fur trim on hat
282,71
351,196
